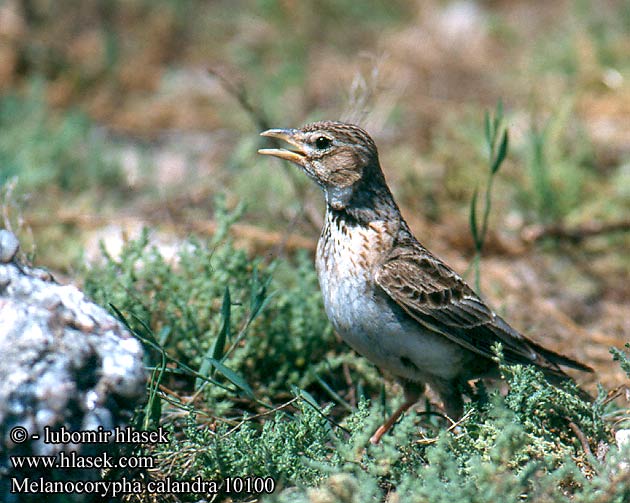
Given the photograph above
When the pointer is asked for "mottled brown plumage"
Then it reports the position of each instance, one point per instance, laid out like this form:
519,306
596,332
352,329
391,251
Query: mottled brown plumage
386,294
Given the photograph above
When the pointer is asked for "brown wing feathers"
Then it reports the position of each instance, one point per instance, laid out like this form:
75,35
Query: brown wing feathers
435,296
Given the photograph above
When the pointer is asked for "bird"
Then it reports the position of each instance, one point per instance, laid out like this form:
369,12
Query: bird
385,294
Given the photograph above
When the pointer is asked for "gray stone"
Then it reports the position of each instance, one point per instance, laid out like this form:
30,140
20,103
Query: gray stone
9,246
64,362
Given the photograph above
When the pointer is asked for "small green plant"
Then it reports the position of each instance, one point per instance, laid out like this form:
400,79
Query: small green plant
622,358
546,198
496,137
561,174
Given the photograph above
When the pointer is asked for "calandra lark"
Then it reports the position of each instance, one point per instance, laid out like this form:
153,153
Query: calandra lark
386,295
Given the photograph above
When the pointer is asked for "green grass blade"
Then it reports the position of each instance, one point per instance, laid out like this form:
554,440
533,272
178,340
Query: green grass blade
306,396
498,119
224,334
473,221
488,131
233,377
216,351
153,408
501,154
163,336
335,396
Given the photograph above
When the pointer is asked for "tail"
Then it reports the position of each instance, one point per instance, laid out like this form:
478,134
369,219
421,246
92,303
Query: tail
559,359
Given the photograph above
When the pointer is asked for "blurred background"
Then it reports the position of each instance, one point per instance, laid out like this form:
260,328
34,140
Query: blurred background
119,114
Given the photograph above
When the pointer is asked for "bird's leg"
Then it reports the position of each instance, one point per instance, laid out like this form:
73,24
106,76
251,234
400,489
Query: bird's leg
412,394
384,428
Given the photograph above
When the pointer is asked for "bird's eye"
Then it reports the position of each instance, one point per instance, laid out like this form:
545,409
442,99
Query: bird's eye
322,142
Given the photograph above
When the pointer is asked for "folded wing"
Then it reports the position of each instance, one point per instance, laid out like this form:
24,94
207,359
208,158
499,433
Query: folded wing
436,297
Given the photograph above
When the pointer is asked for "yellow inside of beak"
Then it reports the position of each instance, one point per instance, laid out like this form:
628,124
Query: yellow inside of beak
296,155
289,155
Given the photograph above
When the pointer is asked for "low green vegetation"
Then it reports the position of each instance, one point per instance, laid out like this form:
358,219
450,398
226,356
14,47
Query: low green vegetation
249,378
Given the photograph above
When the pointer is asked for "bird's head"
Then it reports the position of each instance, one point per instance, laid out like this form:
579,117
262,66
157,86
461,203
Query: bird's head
335,155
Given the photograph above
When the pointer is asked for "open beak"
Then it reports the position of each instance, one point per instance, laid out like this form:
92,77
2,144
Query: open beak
296,155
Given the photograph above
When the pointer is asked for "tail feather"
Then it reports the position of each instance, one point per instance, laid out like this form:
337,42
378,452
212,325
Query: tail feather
559,359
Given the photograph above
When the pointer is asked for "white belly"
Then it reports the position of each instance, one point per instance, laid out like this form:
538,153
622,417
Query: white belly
372,325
